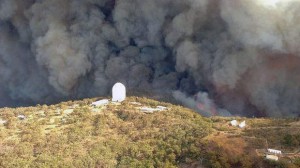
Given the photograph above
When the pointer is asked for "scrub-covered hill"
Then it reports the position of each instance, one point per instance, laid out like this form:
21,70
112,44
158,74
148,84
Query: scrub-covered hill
138,132
74,134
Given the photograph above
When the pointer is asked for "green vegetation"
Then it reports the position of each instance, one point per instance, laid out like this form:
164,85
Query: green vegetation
291,140
118,136
74,134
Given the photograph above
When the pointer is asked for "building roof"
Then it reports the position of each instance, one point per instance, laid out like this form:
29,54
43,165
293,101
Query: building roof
274,151
272,157
101,102
242,124
234,123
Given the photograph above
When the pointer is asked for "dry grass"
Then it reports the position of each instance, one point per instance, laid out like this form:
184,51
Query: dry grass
74,134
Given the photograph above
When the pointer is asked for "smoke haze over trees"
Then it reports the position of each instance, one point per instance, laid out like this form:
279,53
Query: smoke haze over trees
242,56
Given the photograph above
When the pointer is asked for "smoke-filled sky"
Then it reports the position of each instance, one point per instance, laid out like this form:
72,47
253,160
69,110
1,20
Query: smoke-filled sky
222,57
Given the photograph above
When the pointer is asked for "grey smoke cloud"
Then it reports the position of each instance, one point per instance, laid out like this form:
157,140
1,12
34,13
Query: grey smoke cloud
238,56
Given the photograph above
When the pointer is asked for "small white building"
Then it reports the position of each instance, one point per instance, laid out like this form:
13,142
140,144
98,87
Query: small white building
147,109
118,92
100,103
2,121
272,157
21,117
161,108
274,151
242,124
234,123
151,110
68,111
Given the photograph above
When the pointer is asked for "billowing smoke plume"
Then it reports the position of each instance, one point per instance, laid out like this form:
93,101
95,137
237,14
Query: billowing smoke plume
219,56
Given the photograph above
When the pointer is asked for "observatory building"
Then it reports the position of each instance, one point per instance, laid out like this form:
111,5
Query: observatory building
118,92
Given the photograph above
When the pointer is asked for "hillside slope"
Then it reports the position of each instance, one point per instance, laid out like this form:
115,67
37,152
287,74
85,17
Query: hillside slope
75,134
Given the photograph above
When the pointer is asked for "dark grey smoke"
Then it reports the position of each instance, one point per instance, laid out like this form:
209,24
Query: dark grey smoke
217,56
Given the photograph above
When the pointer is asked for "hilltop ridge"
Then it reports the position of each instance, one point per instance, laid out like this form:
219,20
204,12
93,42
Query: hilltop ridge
76,134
